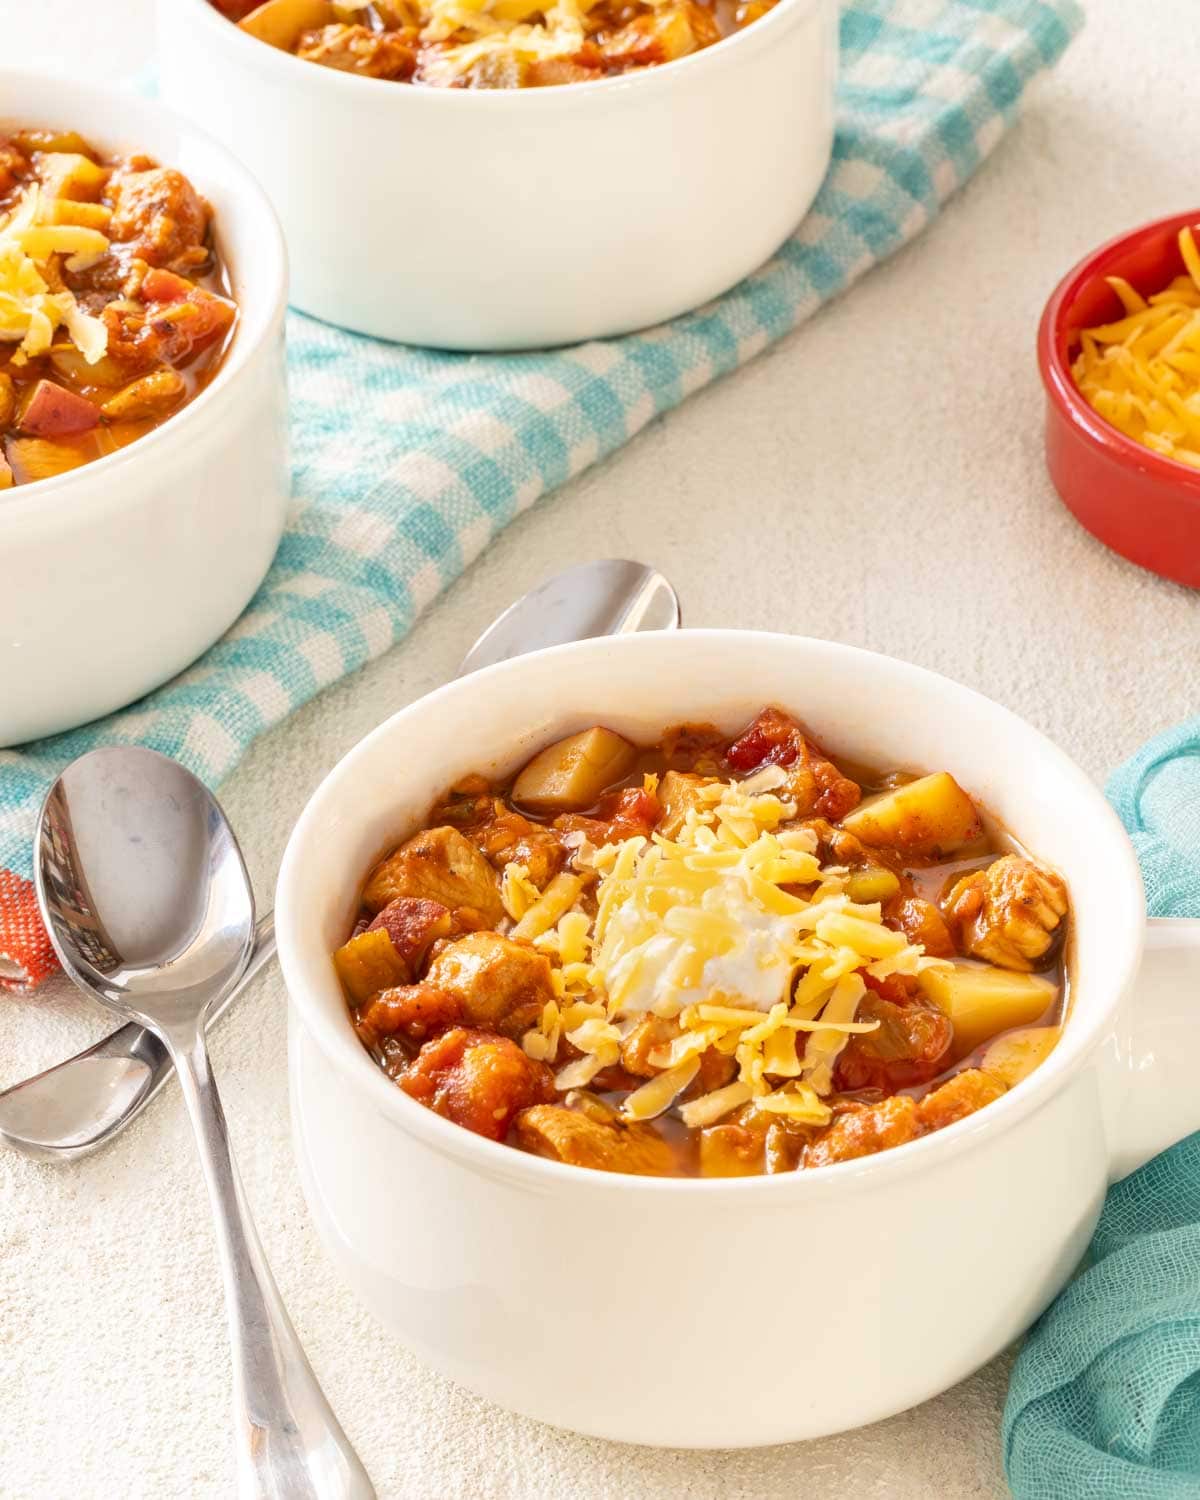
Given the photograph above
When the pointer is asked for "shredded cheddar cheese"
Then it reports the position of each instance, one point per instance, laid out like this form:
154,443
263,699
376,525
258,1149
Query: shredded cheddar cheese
1142,373
30,310
731,933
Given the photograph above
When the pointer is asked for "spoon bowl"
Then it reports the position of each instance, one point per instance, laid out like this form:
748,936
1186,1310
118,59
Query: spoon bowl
144,888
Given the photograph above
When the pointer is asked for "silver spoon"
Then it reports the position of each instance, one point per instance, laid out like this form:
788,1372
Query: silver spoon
81,1104
150,910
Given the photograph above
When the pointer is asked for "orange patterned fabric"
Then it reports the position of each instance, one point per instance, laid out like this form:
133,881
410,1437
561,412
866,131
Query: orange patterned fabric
26,957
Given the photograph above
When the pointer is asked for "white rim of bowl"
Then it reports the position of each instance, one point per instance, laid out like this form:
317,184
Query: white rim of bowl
342,1048
764,27
63,491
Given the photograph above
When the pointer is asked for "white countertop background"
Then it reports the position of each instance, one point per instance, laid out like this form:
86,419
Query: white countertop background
877,478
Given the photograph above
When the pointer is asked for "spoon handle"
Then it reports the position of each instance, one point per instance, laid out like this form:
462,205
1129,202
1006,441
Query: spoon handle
290,1444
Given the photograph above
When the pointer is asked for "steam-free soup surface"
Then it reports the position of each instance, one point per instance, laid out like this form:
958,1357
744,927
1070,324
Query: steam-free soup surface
712,956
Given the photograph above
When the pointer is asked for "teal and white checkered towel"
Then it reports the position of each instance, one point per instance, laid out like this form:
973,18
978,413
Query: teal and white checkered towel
407,462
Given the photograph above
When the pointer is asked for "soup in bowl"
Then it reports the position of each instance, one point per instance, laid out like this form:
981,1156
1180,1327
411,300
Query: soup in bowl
873,1280
711,956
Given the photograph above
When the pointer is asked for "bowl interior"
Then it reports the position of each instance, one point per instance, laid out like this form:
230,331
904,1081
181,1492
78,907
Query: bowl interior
877,711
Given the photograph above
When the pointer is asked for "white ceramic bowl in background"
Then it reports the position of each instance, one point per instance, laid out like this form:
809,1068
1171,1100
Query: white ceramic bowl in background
117,575
725,1312
512,219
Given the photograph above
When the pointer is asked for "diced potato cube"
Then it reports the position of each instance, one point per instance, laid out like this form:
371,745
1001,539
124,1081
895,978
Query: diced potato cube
678,793
570,1136
369,963
1015,1056
983,1002
67,174
872,883
570,775
70,364
54,412
280,22
932,815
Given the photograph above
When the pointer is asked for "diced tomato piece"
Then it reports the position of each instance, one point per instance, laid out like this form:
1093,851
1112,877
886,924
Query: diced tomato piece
900,989
908,1047
164,286
814,783
773,739
413,924
477,1079
236,10
54,412
629,813
179,328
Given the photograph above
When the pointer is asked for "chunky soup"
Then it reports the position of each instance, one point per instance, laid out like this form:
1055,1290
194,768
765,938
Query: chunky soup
497,44
114,309
707,957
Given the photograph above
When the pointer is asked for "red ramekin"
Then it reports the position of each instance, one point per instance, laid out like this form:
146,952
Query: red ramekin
1142,505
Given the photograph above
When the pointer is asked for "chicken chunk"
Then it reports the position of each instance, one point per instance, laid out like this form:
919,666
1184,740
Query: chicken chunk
160,216
479,1081
150,395
580,1140
501,983
863,1129
671,32
507,837
416,1011
1008,914
439,864
355,49
959,1097
814,783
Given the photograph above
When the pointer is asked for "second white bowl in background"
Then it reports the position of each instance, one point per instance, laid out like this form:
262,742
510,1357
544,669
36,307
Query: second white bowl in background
517,219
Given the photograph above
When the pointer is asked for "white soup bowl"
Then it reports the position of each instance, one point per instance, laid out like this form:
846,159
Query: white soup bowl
520,218
733,1312
117,575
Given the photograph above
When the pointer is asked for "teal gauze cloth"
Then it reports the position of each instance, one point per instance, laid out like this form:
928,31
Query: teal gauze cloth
1105,1396
407,462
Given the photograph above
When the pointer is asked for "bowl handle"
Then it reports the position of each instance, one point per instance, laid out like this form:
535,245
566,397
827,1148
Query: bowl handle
1159,1047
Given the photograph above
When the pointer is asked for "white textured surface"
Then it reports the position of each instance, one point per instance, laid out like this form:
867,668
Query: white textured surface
877,478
